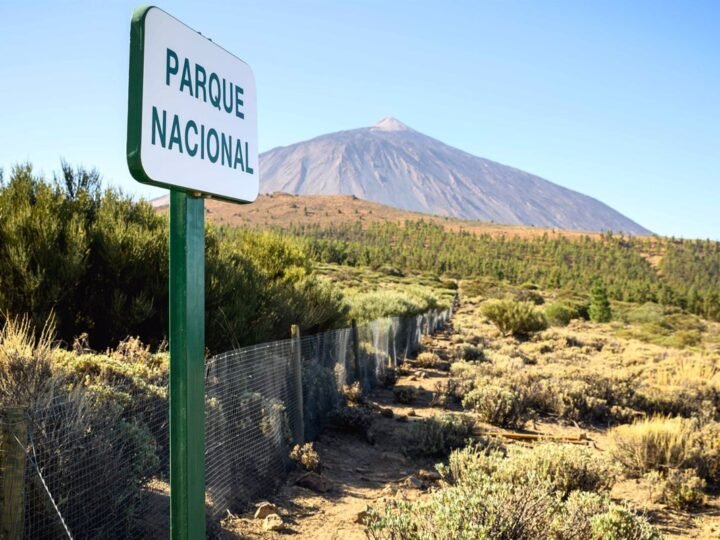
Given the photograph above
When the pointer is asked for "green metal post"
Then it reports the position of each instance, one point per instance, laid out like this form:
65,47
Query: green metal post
187,367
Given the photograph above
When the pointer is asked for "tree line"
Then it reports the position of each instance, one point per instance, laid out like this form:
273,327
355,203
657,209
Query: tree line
688,275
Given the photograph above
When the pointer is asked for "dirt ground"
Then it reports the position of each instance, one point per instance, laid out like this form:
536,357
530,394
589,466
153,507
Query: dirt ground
363,474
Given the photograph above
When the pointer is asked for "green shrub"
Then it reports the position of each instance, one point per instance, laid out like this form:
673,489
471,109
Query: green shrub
562,468
529,295
562,312
574,519
621,523
680,489
438,435
469,353
514,318
485,510
489,496
357,420
707,453
497,405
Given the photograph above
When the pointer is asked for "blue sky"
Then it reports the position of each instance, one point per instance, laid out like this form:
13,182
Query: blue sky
618,100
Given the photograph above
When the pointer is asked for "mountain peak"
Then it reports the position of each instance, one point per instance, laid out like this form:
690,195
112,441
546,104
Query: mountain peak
390,124
393,164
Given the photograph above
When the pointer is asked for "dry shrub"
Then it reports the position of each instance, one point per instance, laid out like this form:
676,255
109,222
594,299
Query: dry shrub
26,364
357,420
469,353
405,394
353,393
680,489
658,443
438,435
94,458
307,456
428,360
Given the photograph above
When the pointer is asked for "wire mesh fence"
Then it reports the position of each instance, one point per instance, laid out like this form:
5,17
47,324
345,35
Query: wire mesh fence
80,466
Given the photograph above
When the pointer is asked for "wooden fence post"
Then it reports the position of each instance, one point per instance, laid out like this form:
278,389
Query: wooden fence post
296,353
13,440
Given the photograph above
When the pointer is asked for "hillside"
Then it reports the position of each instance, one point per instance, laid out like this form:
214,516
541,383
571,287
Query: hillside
284,210
395,165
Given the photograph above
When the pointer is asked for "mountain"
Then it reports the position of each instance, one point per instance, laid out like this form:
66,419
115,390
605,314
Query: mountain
395,165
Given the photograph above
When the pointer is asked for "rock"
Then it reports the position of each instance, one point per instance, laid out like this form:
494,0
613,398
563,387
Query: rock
386,413
429,476
413,482
264,509
401,418
362,515
412,413
413,378
314,482
272,522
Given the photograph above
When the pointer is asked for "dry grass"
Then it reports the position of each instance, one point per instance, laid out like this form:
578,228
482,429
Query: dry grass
654,444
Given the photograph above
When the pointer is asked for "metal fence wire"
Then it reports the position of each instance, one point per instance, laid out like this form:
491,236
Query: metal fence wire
82,467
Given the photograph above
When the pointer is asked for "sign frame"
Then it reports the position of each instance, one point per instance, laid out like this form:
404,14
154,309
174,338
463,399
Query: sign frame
135,111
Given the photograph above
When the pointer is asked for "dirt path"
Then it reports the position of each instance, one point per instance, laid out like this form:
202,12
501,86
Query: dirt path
360,473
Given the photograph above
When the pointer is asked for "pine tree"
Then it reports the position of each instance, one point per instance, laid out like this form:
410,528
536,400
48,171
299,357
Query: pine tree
599,303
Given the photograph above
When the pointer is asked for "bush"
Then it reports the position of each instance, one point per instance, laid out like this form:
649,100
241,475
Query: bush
574,519
437,436
469,353
657,443
514,318
562,468
561,313
497,405
428,360
353,393
82,438
529,295
707,457
680,489
621,523
485,510
357,420
489,496
307,456
405,394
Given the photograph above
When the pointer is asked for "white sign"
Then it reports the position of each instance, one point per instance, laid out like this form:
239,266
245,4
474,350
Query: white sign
192,114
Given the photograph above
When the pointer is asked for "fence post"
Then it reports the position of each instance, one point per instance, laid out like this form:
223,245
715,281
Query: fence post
356,348
13,439
296,353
